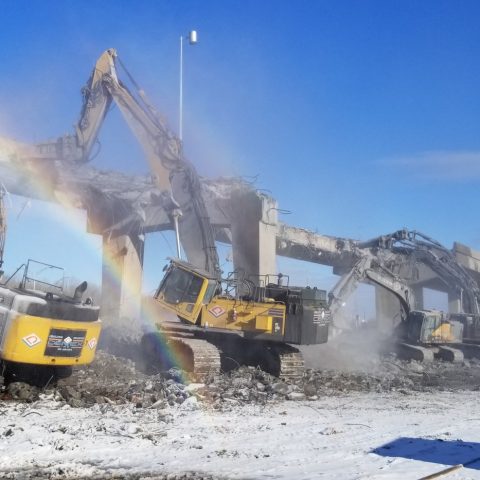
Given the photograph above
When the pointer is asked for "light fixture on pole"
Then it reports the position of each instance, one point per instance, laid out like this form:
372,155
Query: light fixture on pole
192,40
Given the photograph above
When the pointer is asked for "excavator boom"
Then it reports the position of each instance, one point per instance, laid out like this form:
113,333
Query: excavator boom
175,176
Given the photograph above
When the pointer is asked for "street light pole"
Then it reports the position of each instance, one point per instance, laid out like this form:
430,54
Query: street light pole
192,39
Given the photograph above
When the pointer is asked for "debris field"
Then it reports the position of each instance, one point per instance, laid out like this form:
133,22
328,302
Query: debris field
116,380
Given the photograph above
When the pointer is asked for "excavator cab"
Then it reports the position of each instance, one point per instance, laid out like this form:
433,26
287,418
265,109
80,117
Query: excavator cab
184,290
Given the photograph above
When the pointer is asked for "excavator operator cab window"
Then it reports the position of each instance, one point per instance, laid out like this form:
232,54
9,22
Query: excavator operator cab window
212,289
191,295
181,286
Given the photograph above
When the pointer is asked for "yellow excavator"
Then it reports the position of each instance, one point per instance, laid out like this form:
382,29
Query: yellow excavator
220,320
247,322
43,332
224,321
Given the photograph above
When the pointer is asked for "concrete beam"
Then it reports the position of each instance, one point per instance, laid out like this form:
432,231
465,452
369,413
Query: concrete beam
303,244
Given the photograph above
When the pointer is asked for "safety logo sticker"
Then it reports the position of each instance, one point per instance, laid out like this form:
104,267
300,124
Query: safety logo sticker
321,317
92,343
31,340
217,311
65,342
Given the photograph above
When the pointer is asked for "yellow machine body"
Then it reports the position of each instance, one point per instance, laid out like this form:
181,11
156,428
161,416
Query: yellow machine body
194,298
232,314
47,341
444,334
41,328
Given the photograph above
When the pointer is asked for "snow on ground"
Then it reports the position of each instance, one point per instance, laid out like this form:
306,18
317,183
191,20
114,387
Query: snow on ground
338,437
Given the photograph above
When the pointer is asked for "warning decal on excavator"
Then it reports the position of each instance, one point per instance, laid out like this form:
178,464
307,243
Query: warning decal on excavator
320,317
65,343
217,311
31,340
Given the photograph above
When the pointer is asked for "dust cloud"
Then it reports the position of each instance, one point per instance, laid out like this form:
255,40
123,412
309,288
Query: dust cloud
358,349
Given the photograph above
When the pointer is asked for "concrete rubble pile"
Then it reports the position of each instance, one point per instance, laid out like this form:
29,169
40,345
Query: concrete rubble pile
115,380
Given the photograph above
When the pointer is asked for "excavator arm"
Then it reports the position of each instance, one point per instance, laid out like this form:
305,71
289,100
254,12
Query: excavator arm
377,259
419,249
77,147
161,147
175,176
367,269
442,261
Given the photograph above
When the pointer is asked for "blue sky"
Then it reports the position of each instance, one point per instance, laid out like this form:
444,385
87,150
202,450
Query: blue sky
359,117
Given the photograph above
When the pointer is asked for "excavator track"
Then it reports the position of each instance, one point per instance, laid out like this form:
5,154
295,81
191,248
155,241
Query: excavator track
166,349
201,353
469,350
450,354
428,354
197,357
407,351
278,359
292,365
281,360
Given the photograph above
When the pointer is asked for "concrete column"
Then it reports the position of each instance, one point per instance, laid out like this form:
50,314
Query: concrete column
122,282
388,310
419,302
454,302
254,229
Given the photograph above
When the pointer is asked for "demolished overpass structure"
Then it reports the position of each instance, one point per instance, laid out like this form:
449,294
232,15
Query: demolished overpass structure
124,208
